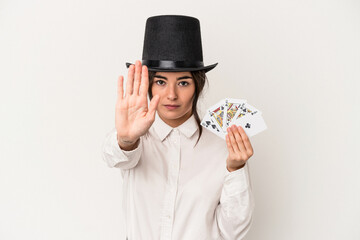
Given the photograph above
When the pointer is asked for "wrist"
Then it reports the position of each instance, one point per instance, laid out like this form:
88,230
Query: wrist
127,145
234,169
125,142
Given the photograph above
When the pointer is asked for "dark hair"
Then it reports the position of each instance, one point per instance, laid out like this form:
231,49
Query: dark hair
200,79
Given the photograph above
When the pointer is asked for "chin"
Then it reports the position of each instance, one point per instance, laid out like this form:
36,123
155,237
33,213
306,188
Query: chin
172,114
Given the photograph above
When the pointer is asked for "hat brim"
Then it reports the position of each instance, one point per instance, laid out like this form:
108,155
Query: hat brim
206,68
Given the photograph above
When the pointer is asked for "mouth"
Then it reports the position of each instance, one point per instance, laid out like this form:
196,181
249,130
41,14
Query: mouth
171,107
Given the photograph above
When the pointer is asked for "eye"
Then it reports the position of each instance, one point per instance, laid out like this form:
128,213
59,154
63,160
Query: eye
185,83
157,82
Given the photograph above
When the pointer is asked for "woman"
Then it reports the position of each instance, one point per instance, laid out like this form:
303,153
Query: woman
180,182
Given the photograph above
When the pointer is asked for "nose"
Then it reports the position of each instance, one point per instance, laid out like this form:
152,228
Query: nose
171,94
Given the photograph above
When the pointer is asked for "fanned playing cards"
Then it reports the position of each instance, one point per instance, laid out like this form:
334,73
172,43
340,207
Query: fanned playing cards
230,111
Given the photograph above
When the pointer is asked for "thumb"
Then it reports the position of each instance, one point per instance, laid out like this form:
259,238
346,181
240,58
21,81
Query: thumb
153,105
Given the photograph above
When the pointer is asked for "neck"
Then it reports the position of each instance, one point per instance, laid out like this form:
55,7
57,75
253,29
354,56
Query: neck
176,122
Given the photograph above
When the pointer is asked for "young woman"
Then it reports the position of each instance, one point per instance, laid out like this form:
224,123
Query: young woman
180,182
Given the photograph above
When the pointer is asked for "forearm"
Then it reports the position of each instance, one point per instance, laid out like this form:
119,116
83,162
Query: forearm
234,213
116,156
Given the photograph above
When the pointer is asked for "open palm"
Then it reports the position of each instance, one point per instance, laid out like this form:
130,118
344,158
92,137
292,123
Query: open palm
133,117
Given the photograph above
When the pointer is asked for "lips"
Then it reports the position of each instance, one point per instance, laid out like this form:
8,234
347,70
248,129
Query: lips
171,107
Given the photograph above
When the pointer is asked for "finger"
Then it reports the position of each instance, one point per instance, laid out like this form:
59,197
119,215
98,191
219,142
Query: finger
239,140
137,77
229,146
152,106
246,140
233,142
144,81
129,81
120,88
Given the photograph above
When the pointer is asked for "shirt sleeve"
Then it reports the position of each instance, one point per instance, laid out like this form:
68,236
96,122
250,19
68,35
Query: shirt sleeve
114,156
234,212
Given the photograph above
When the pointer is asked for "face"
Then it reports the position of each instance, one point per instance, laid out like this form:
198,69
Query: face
176,91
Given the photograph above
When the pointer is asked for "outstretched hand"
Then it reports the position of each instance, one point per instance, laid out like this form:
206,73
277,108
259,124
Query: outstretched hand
133,117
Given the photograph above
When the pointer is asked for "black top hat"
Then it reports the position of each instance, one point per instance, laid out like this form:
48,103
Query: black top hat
172,43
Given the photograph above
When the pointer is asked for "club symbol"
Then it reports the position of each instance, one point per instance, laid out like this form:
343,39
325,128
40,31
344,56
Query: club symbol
248,125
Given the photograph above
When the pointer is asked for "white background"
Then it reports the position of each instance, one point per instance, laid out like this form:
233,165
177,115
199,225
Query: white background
296,61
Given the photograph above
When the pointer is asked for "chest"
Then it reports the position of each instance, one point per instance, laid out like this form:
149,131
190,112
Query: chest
177,164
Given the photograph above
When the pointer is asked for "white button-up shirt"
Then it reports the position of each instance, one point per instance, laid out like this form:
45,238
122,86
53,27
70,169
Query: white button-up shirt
173,190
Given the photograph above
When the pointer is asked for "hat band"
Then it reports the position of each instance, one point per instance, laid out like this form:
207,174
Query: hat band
167,64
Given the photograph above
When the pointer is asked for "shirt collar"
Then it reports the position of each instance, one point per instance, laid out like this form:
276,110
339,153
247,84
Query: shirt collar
188,128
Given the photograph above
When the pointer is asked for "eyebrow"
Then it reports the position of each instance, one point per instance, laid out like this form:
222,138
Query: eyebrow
179,78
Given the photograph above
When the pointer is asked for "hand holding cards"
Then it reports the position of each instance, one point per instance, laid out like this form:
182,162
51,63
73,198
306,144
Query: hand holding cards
228,112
